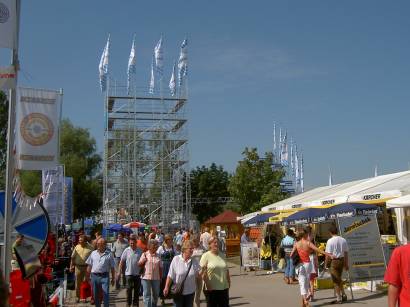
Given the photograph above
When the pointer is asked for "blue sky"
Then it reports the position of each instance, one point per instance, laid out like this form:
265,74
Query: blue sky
336,74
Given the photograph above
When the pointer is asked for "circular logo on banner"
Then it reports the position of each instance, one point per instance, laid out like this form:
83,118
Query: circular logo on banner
4,13
36,129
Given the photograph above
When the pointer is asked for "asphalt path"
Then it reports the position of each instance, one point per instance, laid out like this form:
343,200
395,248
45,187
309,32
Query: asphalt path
261,289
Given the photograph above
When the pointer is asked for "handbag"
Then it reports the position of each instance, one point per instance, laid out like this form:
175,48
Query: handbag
176,290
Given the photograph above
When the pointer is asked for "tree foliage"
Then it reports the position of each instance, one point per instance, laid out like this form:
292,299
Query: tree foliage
207,185
255,184
4,111
78,154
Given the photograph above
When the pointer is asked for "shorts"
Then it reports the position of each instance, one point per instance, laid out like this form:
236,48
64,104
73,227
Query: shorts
336,270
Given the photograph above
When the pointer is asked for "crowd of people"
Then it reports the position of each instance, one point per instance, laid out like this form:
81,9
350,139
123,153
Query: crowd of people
177,266
296,255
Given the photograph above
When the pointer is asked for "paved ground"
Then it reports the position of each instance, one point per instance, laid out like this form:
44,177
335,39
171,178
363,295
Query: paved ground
249,289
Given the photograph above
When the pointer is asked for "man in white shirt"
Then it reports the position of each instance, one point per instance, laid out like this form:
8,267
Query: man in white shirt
337,247
205,236
100,263
129,260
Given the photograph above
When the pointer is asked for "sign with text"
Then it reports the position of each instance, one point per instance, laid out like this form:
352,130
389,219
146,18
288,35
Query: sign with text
366,259
250,254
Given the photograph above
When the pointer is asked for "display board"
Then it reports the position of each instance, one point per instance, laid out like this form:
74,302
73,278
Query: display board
250,254
366,258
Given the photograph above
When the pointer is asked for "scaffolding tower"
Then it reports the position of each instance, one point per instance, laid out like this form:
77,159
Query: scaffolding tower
146,158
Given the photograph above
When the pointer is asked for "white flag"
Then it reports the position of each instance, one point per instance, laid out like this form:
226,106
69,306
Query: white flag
7,78
103,67
284,156
292,166
38,120
131,69
280,144
152,81
183,62
274,141
297,174
159,58
302,185
8,24
172,82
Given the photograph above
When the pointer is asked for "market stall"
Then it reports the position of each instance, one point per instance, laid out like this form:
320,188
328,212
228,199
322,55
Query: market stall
227,223
357,223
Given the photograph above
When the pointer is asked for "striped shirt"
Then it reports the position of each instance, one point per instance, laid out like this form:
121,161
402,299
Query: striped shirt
153,266
287,244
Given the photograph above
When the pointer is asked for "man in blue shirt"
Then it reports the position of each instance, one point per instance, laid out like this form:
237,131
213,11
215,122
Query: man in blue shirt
100,263
129,260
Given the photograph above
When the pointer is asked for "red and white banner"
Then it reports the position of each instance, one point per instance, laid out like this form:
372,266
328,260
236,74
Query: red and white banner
7,78
8,24
37,128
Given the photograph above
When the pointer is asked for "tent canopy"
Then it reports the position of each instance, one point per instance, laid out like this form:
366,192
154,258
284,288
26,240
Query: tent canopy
399,202
371,190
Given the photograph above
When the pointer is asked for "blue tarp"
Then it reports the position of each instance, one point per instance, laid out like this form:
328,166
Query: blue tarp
259,219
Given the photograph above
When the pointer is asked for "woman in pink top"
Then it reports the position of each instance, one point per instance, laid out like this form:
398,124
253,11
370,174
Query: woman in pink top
152,275
305,248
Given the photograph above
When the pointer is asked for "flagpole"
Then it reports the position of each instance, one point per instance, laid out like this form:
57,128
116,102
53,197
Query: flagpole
10,167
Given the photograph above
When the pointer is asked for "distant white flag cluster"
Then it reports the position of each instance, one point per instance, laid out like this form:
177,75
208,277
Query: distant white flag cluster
157,67
287,157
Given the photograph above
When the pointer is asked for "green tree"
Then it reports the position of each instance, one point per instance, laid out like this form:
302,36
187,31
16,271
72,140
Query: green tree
4,111
207,185
78,154
255,184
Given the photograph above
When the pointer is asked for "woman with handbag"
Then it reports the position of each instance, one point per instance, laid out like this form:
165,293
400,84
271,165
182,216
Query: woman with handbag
302,251
183,274
216,276
151,267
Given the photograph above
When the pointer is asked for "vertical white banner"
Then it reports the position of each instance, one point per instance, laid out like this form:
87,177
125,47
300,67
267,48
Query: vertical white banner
37,128
53,183
8,23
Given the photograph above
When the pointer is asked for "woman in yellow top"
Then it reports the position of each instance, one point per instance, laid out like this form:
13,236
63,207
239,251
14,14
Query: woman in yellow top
215,274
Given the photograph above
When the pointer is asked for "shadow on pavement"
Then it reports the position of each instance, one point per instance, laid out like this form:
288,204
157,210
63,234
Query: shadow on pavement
350,301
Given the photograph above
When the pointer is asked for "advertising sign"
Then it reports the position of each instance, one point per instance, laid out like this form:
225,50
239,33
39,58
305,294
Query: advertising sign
366,259
250,254
37,127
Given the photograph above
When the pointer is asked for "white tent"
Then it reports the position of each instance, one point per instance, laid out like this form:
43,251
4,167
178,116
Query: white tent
401,206
392,189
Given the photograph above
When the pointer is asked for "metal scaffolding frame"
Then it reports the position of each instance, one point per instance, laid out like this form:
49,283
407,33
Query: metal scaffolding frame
146,157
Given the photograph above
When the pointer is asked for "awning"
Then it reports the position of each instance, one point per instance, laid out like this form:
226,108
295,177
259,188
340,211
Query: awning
399,202
259,219
374,190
